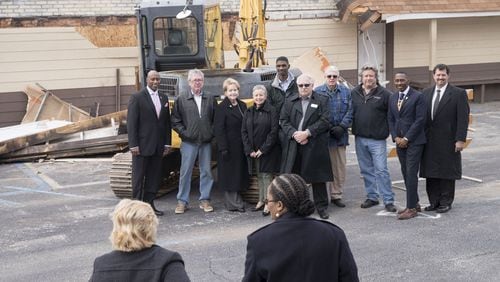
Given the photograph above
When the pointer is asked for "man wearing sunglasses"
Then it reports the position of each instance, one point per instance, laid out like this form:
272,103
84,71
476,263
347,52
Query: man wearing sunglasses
304,121
340,106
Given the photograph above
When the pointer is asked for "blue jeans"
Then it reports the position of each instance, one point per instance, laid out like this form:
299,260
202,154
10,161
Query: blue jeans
372,160
189,152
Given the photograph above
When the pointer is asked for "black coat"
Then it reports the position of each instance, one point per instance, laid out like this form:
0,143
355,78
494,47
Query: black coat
315,158
409,121
299,249
145,129
449,125
232,170
369,112
187,121
260,132
151,264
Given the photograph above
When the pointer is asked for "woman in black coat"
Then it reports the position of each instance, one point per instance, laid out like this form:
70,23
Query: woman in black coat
232,170
260,141
296,247
135,256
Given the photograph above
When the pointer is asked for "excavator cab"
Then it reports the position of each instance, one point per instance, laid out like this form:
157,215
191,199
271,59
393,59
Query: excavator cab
172,42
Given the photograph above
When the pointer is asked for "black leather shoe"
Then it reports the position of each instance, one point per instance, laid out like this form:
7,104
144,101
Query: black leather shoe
368,204
157,212
443,209
338,203
266,213
258,207
237,210
390,208
430,208
323,214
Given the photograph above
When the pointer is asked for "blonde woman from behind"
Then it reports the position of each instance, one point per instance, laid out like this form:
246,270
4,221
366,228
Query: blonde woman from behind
135,257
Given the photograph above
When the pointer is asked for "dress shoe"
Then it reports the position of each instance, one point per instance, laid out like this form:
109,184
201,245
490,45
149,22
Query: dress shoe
418,208
157,212
338,203
258,207
407,214
323,214
369,203
237,210
430,208
265,213
443,209
390,208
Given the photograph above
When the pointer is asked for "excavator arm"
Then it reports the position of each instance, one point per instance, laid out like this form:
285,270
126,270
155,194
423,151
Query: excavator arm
252,40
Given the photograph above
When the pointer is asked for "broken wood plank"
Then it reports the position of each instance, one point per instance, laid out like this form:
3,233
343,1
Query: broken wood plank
66,149
44,105
52,134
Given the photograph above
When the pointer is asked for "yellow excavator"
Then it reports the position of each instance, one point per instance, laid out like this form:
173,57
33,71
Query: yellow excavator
178,35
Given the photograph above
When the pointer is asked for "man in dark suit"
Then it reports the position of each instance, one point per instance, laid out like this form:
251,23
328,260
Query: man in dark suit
149,138
406,116
305,123
446,132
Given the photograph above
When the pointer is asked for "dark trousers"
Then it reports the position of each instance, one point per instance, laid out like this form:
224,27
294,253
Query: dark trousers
441,192
320,194
146,177
409,159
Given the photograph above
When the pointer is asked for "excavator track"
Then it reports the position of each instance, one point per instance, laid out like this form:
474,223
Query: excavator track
120,177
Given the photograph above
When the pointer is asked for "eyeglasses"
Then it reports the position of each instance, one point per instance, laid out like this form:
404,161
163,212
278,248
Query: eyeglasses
303,85
332,76
266,201
368,68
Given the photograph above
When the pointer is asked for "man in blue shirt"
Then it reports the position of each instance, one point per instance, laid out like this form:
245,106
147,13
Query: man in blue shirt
340,105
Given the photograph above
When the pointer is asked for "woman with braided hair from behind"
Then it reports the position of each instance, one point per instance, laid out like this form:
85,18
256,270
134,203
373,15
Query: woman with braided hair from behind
296,247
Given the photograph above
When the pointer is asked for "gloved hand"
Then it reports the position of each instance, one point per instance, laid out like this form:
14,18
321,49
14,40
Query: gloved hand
337,132
225,155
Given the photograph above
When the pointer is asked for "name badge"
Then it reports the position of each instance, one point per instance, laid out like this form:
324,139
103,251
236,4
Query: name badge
314,105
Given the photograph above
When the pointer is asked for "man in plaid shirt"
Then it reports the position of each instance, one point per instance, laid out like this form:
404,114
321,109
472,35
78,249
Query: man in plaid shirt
340,104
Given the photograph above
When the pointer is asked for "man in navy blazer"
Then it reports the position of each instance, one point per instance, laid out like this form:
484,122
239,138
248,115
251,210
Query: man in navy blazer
406,116
149,139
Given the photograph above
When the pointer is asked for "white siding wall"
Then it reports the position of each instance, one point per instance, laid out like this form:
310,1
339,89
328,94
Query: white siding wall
469,41
411,43
460,41
60,58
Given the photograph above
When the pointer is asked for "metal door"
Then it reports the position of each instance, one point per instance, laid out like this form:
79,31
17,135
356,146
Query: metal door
371,49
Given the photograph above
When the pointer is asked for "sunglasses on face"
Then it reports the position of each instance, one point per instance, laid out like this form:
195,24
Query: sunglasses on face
332,76
303,85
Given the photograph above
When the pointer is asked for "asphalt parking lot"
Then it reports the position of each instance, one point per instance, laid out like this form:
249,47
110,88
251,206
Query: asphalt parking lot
54,220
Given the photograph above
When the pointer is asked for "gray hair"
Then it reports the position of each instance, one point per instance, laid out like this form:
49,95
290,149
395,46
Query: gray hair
195,72
306,77
259,87
332,68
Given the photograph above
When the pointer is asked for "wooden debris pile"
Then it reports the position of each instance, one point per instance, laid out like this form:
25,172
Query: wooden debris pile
53,128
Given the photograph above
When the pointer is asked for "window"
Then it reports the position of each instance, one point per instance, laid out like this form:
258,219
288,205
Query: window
174,37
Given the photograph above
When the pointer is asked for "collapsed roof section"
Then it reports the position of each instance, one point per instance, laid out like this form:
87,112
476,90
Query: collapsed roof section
369,12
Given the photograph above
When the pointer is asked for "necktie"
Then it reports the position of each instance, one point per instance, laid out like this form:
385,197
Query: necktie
436,103
156,102
400,100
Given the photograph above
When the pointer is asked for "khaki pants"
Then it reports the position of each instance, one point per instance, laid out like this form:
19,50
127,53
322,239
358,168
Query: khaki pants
338,161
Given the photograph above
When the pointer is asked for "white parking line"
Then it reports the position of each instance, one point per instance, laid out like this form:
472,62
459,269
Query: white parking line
420,215
60,194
